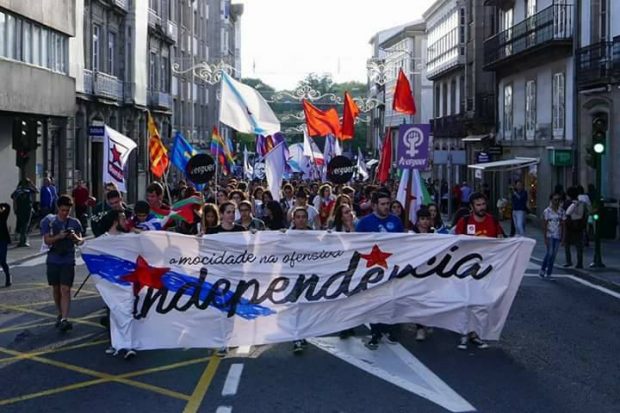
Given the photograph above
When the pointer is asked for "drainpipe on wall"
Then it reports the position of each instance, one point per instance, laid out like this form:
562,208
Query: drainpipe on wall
576,110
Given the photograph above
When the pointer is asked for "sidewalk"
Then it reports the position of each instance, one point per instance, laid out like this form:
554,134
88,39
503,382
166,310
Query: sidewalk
16,255
608,277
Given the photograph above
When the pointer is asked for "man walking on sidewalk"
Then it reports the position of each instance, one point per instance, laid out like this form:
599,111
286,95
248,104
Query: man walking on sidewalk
62,233
519,208
576,221
553,231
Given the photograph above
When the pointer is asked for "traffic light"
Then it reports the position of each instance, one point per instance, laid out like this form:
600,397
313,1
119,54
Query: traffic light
599,133
21,158
20,132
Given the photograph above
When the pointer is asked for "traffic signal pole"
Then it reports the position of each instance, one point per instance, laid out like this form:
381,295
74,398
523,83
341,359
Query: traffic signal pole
597,261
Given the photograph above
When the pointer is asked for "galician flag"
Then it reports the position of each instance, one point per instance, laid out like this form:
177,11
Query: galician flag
362,170
417,197
275,168
245,110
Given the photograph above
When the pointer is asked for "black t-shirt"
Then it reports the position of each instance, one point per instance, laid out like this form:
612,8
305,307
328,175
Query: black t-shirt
219,228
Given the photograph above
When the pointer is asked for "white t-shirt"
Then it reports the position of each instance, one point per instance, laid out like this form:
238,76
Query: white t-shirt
554,222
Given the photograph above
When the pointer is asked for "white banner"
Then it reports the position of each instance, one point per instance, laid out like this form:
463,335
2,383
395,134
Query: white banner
116,150
167,290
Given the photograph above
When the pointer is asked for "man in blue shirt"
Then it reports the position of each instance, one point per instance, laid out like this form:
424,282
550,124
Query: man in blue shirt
48,197
519,208
380,221
61,233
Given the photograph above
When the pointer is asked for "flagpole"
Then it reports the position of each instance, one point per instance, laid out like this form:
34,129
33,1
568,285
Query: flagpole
408,201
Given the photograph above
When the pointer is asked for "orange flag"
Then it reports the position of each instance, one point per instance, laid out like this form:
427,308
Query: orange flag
321,123
403,98
351,111
158,155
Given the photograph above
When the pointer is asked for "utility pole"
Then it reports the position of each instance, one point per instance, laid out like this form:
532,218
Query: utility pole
599,140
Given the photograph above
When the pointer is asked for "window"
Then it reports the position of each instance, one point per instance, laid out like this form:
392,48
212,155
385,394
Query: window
444,100
508,114
530,109
44,48
453,97
60,52
530,8
17,46
10,37
95,46
2,34
437,100
27,42
36,45
558,111
152,70
112,53
603,16
165,74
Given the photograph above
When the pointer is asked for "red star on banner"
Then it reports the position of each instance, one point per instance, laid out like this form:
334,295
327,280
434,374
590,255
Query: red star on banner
376,257
145,276
116,155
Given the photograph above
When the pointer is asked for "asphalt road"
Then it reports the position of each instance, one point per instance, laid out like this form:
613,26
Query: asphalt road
559,353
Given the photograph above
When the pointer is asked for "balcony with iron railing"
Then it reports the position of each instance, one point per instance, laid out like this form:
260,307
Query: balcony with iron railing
160,99
108,86
451,126
154,19
88,82
550,27
171,30
598,64
123,4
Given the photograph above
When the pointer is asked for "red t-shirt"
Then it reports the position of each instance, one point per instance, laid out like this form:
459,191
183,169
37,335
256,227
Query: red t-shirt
489,227
80,196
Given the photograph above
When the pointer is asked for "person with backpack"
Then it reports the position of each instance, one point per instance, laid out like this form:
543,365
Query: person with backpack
576,222
5,240
23,201
478,223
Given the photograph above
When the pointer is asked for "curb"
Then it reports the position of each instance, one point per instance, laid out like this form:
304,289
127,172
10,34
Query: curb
589,277
36,254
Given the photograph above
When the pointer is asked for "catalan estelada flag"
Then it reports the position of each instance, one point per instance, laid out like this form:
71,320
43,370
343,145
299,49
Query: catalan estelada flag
158,155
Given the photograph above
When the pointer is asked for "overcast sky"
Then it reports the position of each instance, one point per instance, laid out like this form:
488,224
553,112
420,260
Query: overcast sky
283,40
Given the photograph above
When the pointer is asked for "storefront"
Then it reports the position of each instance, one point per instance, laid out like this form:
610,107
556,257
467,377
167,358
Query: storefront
500,176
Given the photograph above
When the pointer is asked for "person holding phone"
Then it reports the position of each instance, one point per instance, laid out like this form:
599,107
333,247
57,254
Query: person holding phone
62,234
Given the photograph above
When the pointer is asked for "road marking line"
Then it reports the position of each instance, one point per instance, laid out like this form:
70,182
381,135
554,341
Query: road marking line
195,400
55,350
98,374
49,392
44,314
592,285
243,350
224,409
102,381
394,364
16,290
231,385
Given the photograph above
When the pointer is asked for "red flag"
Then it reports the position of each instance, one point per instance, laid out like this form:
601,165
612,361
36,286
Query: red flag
403,98
351,111
321,123
385,162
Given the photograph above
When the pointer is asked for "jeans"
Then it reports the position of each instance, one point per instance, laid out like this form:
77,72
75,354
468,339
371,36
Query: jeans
3,251
577,241
519,219
23,227
553,244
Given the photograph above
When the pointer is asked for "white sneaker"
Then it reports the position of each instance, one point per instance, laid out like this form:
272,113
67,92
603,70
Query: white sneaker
463,343
110,350
420,335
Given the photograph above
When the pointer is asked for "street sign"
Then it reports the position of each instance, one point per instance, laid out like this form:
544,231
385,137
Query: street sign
561,157
96,130
200,168
495,150
483,157
412,151
340,170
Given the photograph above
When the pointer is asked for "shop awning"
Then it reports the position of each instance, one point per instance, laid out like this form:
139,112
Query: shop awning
475,138
505,165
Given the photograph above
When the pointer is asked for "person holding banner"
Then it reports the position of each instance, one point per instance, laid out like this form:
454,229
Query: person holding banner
479,224
380,221
423,226
227,216
397,209
246,220
301,200
274,216
300,222
210,218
